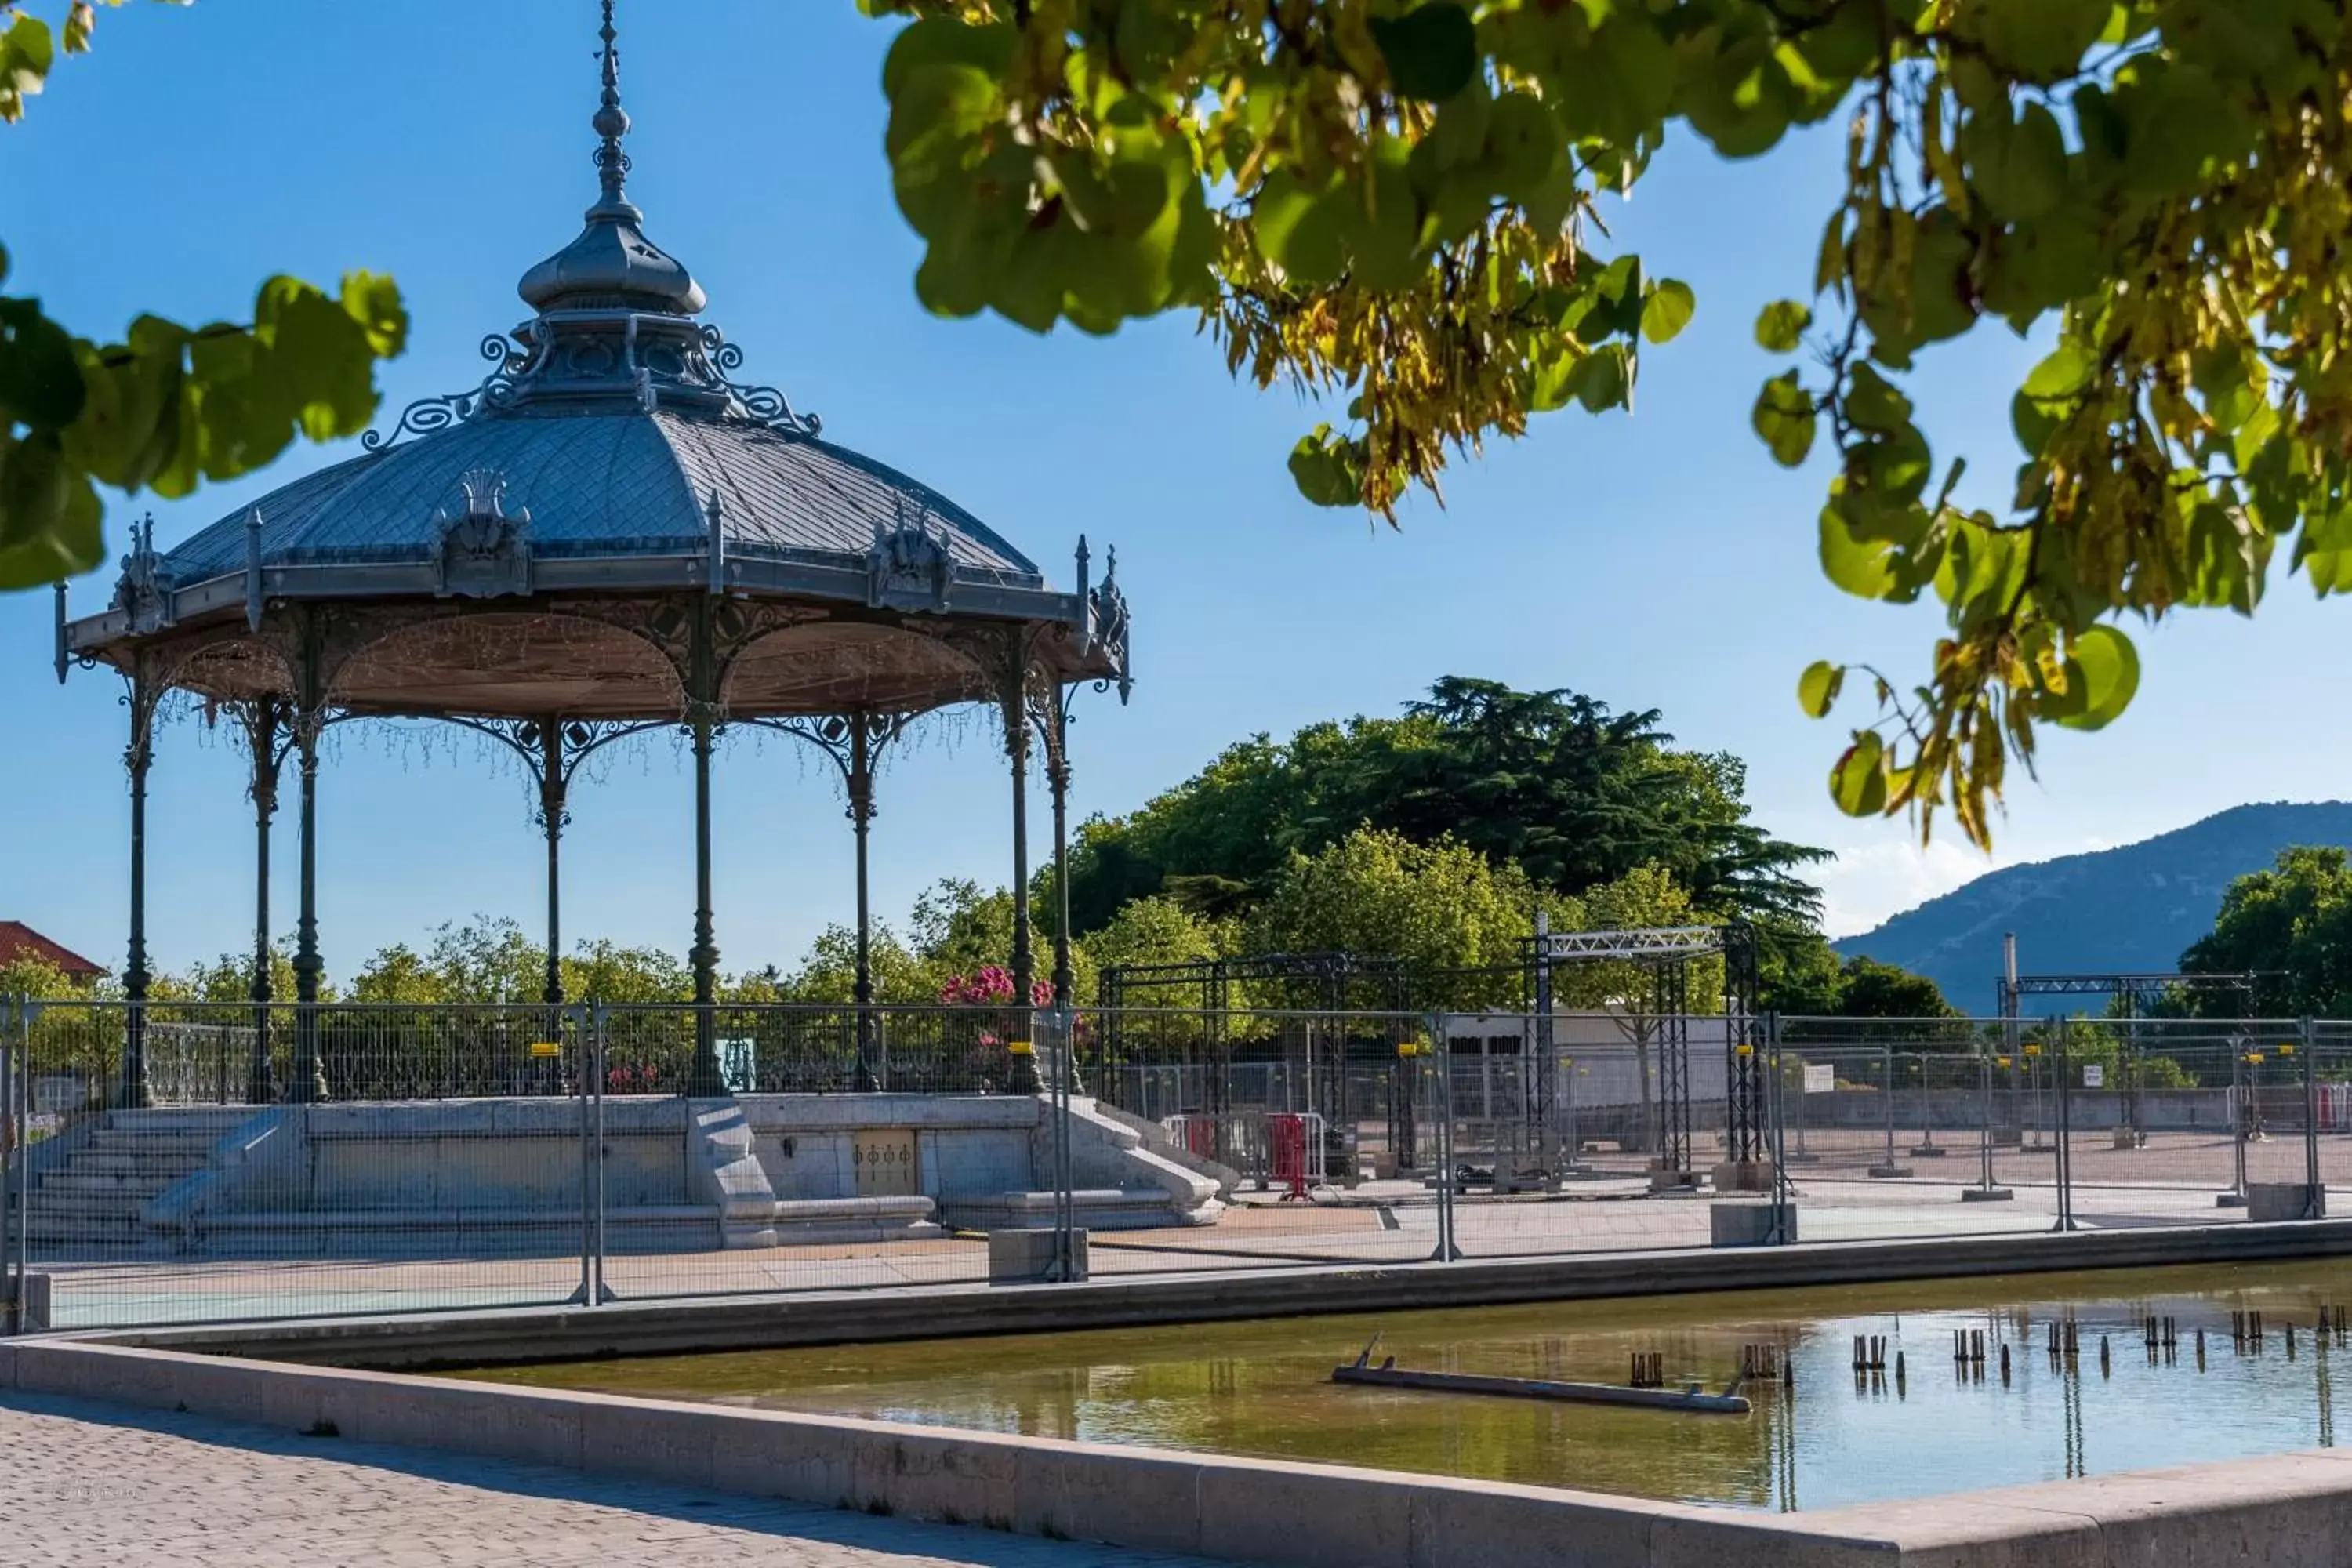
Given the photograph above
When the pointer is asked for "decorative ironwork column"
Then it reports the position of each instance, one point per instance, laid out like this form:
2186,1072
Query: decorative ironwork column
1054,728
553,787
553,749
264,733
860,781
704,1080
131,1094
308,1082
855,743
1023,1080
1049,707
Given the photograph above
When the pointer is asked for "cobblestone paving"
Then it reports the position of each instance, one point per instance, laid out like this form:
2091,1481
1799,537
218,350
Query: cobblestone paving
84,1485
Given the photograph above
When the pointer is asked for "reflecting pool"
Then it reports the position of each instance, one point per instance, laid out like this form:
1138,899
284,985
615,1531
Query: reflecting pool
1824,1437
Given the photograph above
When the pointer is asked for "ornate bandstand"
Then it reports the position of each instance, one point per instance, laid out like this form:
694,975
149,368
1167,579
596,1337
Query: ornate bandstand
610,534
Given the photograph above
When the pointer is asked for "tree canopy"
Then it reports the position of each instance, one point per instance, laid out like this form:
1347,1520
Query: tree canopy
1401,205
2290,926
165,407
1573,795
1802,976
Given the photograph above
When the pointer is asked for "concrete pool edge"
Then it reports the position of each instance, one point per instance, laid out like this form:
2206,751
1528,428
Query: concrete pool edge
787,1319
2283,1511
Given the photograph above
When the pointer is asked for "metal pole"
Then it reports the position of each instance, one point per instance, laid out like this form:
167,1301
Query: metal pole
1926,1104
2238,1117
1775,1088
1984,1119
1057,778
14,1220
1447,1251
2063,1068
1066,1197
132,1093
861,822
262,724
1547,1057
2012,1040
1888,1072
309,1082
550,812
1023,1078
2315,1204
586,1057
598,1020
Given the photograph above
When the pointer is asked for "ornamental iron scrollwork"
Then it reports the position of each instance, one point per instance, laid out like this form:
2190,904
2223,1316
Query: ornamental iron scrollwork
838,736
766,404
428,414
577,740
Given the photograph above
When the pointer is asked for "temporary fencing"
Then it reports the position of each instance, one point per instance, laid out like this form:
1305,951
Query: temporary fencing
183,1162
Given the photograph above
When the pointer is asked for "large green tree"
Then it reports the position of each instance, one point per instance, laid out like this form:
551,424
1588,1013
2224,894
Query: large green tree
2290,926
1399,204
165,408
1555,783
1439,906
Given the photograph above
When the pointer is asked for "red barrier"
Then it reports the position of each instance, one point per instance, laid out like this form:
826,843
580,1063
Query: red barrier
1286,1137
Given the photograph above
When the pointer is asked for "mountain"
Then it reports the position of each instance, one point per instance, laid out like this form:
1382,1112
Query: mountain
2132,909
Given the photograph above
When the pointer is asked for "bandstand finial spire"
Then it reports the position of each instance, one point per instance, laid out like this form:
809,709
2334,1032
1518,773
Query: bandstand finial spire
611,123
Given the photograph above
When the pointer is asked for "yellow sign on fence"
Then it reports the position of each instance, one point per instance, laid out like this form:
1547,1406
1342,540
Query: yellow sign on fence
546,1047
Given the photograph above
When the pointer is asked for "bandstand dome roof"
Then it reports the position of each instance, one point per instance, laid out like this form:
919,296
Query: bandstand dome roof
530,546
606,483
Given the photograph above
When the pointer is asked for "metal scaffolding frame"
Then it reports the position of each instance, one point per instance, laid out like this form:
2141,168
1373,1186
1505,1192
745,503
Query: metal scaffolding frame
2130,987
1666,952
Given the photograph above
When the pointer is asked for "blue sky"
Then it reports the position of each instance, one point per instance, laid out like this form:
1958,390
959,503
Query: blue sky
1656,560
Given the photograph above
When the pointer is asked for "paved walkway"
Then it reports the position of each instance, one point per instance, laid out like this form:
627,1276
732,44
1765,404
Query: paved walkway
96,1486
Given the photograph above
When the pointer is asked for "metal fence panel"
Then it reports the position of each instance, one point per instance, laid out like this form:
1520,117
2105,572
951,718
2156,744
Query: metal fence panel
342,1158
198,1205
1914,1127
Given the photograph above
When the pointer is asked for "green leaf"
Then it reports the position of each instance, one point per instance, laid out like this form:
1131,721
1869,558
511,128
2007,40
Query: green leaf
1524,146
373,301
40,380
73,546
1860,566
1858,782
1601,379
26,51
318,366
1618,84
1785,417
1432,51
1780,326
1320,466
2017,167
1873,403
1384,247
2041,40
1303,228
1817,689
2101,677
34,481
1669,310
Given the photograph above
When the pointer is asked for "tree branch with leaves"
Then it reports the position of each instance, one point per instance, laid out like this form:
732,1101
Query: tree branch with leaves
166,407
1397,205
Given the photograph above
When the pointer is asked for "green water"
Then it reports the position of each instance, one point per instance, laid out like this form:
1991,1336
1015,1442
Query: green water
1263,1388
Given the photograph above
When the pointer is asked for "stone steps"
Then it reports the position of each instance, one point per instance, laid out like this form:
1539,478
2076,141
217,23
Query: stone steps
95,1196
110,1184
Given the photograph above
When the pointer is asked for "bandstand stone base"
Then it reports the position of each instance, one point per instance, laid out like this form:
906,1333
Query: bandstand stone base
504,1177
